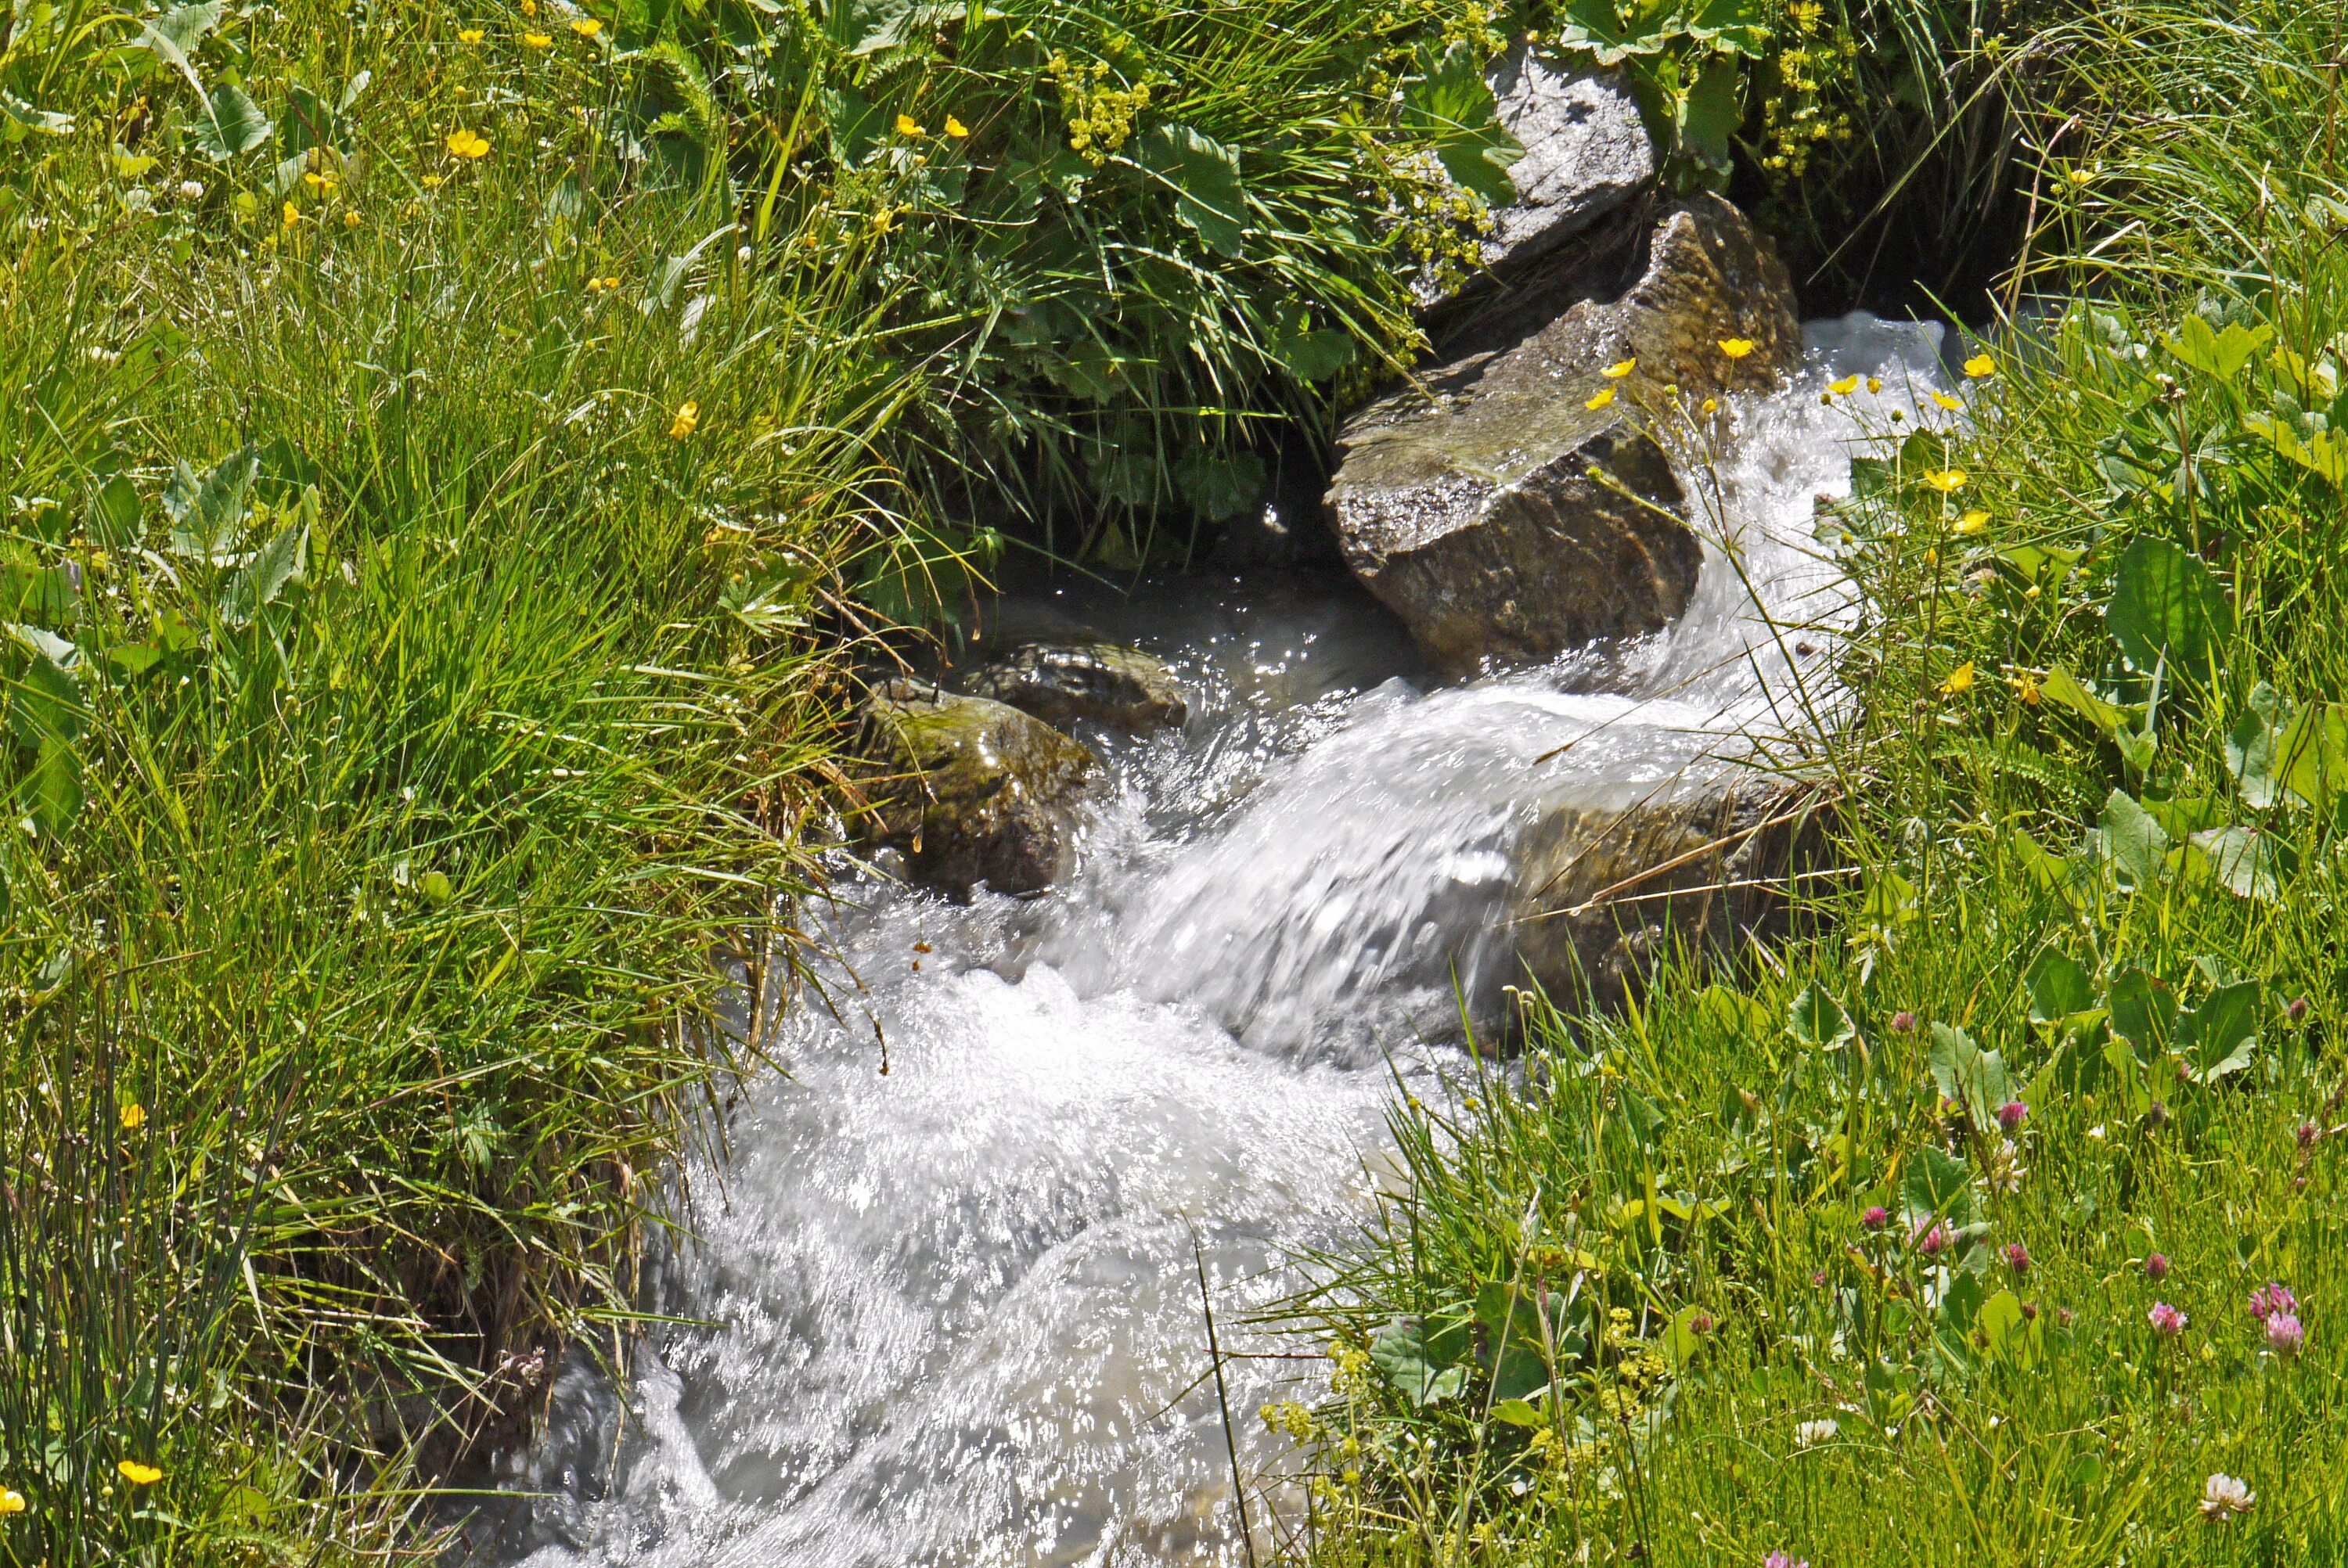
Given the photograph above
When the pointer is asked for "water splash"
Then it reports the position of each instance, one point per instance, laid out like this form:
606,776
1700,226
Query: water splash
951,1316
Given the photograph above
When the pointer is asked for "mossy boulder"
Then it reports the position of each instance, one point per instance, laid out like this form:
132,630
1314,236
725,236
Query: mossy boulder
1502,517
1604,890
1103,682
974,791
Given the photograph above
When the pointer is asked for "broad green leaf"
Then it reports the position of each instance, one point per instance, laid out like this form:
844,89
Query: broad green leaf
1710,113
2218,1036
2044,565
207,512
2164,600
1220,485
2131,841
2311,754
1614,30
2323,454
2059,986
232,124
1451,107
1314,355
19,119
1938,1184
1516,1341
260,581
1519,1413
2144,1010
1730,26
2002,1325
2062,686
1888,906
1681,1341
1818,1021
1974,1078
2243,861
45,701
55,788
1205,176
2251,753
1421,1361
2219,353
173,37
1733,1014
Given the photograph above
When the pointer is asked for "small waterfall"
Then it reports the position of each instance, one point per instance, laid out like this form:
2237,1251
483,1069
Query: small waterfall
951,1316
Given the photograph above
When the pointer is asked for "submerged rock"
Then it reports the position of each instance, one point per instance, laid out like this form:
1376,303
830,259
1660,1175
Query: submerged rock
1587,153
1500,515
978,791
1106,683
1604,892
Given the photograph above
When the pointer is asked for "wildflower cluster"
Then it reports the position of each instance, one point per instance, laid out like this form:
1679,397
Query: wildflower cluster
1099,116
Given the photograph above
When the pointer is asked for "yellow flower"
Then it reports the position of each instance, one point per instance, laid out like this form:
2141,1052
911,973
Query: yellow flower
1736,347
1973,522
1712,405
11,1500
1874,384
134,1116
1619,369
908,126
351,218
319,181
2025,686
467,144
688,414
292,215
1945,480
586,27
1605,396
1845,387
883,221
539,40
2080,176
1959,680
1980,365
138,1474
530,7
956,128
432,182
1945,401
470,35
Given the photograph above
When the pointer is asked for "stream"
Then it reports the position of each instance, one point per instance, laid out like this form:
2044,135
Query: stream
951,1316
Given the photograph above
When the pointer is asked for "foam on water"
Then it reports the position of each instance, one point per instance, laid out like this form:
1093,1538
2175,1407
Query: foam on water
951,1315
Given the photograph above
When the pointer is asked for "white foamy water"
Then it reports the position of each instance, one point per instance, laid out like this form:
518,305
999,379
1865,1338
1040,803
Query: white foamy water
951,1316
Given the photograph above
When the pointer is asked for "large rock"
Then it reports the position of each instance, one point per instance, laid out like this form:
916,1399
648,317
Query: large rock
976,791
1587,153
1603,891
1497,514
1105,683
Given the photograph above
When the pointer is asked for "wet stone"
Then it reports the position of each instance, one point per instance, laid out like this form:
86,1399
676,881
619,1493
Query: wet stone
974,791
1101,683
1498,513
1605,892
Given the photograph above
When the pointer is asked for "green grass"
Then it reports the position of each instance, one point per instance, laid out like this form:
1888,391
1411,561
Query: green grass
1691,1179
396,887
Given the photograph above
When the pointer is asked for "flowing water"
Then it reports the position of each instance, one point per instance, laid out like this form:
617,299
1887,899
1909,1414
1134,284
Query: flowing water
951,1315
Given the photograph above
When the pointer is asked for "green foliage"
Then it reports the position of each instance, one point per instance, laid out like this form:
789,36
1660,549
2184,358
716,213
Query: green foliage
2089,965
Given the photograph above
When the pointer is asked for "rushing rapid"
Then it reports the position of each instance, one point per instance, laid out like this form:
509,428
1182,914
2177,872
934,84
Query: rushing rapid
952,1315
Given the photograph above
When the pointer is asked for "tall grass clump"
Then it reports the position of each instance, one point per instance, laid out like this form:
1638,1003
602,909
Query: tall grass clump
1998,1221
420,523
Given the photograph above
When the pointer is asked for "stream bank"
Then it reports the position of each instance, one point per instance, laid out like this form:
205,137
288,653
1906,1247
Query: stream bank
949,1314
